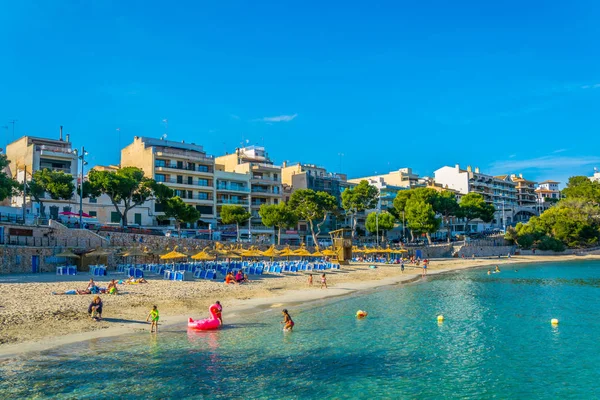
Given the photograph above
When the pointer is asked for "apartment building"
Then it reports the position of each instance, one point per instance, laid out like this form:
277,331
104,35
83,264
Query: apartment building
596,176
309,176
404,178
497,190
231,188
527,205
29,154
184,167
547,194
265,182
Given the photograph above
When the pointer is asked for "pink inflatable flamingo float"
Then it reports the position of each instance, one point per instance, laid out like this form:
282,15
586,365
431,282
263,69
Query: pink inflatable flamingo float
209,323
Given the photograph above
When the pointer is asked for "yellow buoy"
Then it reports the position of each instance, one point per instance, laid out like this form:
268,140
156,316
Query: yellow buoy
440,318
361,314
554,321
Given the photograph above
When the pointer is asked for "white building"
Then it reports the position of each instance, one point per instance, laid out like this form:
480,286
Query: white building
497,190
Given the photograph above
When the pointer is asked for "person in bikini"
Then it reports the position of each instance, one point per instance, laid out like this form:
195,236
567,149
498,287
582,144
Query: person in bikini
287,321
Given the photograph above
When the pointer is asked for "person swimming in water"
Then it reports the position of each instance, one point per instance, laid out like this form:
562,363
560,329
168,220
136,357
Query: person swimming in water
287,321
497,269
489,271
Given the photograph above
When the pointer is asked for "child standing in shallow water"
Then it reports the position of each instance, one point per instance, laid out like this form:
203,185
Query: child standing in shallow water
323,281
154,315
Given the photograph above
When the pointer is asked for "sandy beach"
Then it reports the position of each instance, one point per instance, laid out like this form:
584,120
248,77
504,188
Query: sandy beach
32,319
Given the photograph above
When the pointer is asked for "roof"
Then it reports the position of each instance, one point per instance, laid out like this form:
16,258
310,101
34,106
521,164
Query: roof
549,182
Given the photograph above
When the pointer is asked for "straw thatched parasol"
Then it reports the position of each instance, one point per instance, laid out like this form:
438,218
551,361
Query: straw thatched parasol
252,252
302,252
135,252
66,254
203,256
271,252
317,253
173,255
98,253
329,253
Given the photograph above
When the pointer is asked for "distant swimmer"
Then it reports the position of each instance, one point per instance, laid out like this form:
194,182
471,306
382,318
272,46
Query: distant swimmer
497,269
489,271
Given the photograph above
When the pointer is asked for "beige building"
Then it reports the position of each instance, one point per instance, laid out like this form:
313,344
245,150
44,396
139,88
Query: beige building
184,167
265,180
29,154
404,177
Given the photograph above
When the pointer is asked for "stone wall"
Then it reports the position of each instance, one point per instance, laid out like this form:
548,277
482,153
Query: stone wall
486,251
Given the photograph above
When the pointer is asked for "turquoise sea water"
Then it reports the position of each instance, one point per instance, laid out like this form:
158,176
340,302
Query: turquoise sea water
496,342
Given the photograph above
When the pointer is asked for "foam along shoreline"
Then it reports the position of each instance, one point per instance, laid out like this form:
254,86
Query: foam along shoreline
236,308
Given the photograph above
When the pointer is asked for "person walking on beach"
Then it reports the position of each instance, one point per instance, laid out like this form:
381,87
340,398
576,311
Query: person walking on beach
287,321
402,266
310,279
154,315
323,281
425,264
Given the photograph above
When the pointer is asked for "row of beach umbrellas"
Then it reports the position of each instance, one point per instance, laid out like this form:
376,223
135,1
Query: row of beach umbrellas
232,252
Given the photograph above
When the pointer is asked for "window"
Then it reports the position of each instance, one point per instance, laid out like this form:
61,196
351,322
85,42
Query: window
67,209
160,163
189,194
203,196
93,200
93,214
137,218
203,168
189,180
179,179
115,217
274,177
202,182
158,207
160,178
205,209
179,164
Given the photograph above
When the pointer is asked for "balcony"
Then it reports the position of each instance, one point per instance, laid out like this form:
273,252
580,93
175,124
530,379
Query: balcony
265,192
186,183
201,169
230,188
192,156
57,169
55,151
240,202
267,179
265,166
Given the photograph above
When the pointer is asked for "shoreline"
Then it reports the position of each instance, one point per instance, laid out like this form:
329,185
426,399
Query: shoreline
289,296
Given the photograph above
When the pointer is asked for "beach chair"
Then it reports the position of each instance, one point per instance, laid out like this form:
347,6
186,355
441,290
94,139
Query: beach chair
179,276
278,270
210,275
251,270
293,268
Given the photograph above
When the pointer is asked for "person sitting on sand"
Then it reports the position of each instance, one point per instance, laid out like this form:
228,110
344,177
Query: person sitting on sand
95,308
229,278
239,277
287,321
246,279
112,287
91,284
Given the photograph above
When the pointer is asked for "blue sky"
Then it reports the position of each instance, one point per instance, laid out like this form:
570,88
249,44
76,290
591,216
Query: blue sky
511,87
